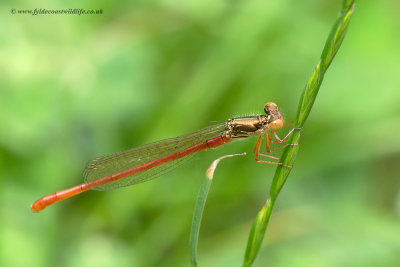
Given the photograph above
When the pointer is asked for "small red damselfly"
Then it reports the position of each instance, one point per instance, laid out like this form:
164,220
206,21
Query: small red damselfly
147,162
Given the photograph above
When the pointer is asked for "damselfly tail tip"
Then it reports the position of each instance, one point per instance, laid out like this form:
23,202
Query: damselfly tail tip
36,207
42,203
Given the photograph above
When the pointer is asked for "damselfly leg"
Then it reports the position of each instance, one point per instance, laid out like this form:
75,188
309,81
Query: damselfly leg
268,140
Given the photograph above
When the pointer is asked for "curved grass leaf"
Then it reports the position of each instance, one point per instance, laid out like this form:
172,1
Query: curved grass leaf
199,208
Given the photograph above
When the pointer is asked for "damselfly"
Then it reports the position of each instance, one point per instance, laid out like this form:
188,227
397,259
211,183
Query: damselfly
147,162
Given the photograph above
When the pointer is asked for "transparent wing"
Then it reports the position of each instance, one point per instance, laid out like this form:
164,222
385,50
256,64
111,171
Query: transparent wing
117,162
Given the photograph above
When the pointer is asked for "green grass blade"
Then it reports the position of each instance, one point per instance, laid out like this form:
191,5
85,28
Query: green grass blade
199,208
332,45
307,99
257,232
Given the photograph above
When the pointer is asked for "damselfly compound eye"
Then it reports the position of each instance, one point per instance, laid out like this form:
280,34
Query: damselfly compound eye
276,125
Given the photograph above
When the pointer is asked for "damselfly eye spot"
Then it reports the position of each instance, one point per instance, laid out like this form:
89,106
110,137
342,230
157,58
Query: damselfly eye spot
270,107
276,125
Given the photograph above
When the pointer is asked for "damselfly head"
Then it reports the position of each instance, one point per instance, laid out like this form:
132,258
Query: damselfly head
270,108
275,117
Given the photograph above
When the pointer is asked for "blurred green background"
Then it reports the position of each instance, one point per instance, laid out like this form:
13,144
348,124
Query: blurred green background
75,87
